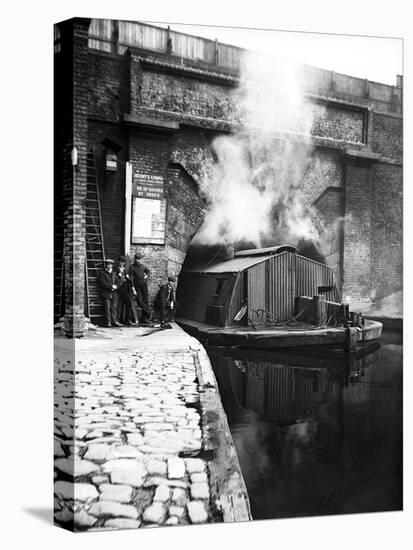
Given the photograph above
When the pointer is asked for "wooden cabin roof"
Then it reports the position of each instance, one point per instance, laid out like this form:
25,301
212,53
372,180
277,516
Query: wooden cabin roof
276,249
243,259
230,266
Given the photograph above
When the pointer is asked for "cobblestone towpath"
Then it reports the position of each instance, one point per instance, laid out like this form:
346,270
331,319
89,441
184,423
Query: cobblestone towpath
133,445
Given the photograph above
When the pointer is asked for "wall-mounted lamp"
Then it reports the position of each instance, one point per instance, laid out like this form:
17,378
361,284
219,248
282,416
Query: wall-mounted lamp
74,156
111,161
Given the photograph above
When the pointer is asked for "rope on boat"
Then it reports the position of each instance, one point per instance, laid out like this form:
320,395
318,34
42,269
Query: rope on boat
266,318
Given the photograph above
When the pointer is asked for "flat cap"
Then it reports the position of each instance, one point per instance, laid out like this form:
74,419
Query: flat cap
172,279
121,259
138,256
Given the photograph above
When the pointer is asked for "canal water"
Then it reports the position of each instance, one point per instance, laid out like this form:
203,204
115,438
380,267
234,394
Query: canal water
316,434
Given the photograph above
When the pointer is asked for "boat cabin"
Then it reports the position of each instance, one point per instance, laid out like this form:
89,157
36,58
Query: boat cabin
255,287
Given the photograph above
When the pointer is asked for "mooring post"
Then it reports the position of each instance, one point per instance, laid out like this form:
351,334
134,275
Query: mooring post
320,311
316,310
323,310
351,339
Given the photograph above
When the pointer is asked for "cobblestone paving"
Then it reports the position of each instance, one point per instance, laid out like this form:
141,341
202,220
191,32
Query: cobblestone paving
134,442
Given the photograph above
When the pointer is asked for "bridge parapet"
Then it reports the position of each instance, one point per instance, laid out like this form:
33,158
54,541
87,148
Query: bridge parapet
116,37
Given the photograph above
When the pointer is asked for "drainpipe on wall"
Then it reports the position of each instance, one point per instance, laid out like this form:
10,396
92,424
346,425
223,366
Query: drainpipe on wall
128,207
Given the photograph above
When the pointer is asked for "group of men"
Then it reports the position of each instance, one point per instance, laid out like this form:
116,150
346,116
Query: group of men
122,290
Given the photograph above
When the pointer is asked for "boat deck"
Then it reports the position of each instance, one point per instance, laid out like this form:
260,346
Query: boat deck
281,336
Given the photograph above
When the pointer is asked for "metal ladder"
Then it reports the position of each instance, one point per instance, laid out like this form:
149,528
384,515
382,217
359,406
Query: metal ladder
94,244
58,258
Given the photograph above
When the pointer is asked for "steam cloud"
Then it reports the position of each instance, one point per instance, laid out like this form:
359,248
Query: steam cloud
255,192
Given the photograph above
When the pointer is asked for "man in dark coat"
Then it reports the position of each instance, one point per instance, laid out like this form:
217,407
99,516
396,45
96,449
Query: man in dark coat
165,300
126,304
108,284
139,275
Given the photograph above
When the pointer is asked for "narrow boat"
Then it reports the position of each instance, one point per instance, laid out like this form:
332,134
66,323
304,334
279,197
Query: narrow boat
270,298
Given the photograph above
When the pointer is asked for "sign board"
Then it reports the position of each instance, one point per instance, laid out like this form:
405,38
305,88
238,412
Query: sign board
148,208
148,221
147,186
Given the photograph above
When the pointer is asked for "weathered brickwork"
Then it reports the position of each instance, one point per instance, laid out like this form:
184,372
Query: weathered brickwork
156,260
388,136
188,110
108,86
150,155
357,233
80,112
192,150
330,205
186,95
111,185
326,170
72,127
337,123
186,211
386,199
183,194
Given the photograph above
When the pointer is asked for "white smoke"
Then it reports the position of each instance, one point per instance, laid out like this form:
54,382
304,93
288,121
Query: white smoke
254,192
386,306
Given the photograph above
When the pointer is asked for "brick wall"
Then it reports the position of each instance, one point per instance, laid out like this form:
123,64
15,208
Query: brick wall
111,185
182,94
325,170
186,211
330,205
72,108
78,214
63,101
338,123
357,233
387,207
149,155
108,86
388,136
192,150
386,193
119,84
227,59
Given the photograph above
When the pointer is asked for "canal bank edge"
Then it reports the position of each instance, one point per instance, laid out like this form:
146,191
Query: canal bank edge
228,497
227,485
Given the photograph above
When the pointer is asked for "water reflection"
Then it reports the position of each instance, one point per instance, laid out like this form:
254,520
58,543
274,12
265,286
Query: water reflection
315,434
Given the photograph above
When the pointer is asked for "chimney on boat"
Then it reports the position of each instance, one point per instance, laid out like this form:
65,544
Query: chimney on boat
227,252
